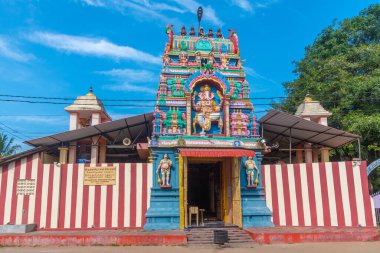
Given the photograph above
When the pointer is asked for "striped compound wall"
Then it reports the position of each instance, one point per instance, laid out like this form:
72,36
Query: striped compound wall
319,194
62,201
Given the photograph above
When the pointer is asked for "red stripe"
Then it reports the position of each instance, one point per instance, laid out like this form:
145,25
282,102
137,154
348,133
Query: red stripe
351,193
3,193
74,195
366,197
85,206
97,206
62,197
49,198
120,219
276,217
325,197
144,192
263,180
285,185
14,196
311,191
297,180
338,194
28,175
133,196
38,202
109,204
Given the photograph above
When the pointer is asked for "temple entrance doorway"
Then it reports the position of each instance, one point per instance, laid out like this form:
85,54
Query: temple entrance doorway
204,192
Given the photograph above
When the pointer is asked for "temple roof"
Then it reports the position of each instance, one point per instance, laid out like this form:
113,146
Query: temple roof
89,102
309,107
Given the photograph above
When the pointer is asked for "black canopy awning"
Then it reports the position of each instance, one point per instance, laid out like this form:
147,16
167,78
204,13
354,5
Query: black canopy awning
280,127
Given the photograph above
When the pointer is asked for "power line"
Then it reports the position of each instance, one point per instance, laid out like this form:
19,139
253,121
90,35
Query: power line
147,100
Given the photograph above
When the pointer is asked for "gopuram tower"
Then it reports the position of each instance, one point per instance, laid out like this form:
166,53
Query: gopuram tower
205,147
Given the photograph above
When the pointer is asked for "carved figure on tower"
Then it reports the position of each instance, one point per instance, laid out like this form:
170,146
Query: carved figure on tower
170,33
164,166
250,168
207,111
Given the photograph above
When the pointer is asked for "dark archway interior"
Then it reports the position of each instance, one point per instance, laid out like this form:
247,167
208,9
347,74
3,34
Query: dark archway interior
204,188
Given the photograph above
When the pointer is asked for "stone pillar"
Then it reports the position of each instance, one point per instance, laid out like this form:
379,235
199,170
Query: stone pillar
299,153
63,155
102,153
323,121
73,121
94,149
73,152
325,157
227,115
188,113
308,153
315,155
95,118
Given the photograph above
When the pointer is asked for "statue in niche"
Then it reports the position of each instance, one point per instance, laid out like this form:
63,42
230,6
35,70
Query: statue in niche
207,109
164,165
250,167
224,60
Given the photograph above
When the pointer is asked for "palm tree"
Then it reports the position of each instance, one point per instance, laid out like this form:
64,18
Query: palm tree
6,146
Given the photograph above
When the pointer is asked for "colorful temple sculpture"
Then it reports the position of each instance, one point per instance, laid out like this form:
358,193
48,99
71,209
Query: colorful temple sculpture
204,120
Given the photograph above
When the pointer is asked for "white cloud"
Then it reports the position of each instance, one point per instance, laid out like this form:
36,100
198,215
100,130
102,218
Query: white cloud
41,119
208,12
244,4
146,9
91,46
131,88
251,6
251,72
8,50
131,75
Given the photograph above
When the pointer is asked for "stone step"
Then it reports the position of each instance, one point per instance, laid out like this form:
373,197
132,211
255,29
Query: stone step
205,236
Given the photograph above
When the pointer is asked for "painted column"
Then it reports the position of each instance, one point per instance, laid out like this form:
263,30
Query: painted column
254,208
227,114
73,121
102,153
308,153
299,154
325,157
95,118
63,155
188,113
164,210
94,149
73,152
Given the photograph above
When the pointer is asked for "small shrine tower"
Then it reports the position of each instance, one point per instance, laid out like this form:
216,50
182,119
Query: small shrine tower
313,111
86,111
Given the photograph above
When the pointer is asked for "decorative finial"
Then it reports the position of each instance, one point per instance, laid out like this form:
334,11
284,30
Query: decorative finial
90,92
201,33
308,98
219,34
210,33
199,14
192,32
183,31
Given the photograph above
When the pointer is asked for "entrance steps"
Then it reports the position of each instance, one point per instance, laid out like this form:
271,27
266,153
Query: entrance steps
205,235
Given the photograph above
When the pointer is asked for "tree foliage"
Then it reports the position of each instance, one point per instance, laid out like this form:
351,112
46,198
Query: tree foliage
6,146
342,70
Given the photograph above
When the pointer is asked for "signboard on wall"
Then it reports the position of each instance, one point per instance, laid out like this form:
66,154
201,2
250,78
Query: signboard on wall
26,187
99,176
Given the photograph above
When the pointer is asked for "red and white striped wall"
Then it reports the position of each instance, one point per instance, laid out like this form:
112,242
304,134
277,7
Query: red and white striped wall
62,201
333,194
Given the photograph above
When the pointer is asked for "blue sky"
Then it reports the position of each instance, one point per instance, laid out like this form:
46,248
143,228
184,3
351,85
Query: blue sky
61,48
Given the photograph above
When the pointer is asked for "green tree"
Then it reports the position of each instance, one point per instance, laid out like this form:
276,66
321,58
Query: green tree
342,70
6,146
